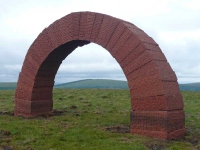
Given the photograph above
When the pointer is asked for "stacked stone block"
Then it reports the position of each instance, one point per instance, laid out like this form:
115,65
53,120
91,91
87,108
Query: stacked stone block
156,102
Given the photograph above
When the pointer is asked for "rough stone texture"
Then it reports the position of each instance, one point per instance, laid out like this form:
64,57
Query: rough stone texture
160,124
156,102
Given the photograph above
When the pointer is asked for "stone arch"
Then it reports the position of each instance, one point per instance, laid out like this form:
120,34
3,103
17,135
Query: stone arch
156,102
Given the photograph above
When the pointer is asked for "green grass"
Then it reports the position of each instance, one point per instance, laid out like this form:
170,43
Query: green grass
86,119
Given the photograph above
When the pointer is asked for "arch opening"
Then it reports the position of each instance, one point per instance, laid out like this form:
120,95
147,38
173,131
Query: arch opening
156,102
89,62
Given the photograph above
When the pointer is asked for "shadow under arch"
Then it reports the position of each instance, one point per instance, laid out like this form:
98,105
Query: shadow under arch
156,102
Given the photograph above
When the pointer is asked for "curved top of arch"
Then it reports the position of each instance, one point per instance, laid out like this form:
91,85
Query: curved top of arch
139,56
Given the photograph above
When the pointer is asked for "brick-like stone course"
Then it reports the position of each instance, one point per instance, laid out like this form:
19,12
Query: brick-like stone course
164,124
156,102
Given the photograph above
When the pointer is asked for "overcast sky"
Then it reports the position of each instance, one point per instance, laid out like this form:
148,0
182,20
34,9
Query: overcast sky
173,24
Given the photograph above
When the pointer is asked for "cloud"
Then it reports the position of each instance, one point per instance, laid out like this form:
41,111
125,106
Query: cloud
174,25
90,61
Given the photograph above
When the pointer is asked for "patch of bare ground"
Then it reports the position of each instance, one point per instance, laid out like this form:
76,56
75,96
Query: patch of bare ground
4,136
6,148
193,137
53,113
6,113
118,129
155,145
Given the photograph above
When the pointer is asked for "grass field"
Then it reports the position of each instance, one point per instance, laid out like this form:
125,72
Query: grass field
89,119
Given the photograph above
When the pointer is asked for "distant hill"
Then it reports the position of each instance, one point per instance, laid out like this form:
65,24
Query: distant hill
115,84
99,83
8,85
95,83
190,87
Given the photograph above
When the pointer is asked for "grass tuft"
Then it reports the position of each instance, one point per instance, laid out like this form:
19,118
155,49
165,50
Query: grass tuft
89,119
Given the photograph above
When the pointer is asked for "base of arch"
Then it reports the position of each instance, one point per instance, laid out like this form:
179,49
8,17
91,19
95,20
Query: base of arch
26,108
158,124
161,135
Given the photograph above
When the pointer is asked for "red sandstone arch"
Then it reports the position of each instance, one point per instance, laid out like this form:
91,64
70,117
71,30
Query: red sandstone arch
156,102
